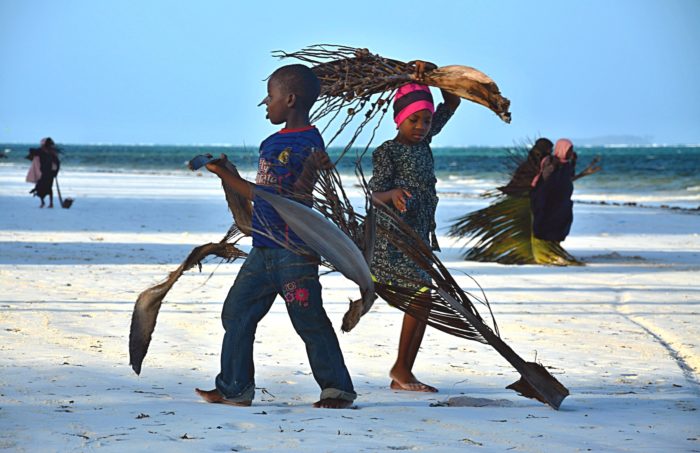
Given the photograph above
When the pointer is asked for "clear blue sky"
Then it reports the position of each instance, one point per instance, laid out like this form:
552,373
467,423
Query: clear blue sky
176,72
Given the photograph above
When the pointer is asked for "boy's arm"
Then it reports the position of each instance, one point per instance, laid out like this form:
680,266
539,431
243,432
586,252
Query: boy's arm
235,182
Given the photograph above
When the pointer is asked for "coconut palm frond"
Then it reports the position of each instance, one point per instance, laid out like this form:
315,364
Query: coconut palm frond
359,82
241,208
448,308
502,233
145,314
400,292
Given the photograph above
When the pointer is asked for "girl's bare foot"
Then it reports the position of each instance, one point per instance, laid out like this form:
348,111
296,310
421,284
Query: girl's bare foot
215,396
407,381
416,386
332,403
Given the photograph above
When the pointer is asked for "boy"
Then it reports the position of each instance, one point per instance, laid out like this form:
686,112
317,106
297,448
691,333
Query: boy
286,166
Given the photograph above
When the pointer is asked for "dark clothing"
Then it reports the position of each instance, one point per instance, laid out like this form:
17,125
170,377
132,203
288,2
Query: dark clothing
409,167
519,183
49,165
552,208
266,273
282,157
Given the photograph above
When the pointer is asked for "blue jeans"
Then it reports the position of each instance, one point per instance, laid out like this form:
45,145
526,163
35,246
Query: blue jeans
266,273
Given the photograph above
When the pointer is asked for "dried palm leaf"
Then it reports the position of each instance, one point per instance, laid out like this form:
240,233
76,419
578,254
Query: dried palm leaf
145,314
448,308
348,73
327,240
322,236
143,319
356,81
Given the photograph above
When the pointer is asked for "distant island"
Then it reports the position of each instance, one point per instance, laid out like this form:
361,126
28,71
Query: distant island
615,140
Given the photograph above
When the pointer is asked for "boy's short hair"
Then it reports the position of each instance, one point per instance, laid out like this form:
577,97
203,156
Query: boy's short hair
301,81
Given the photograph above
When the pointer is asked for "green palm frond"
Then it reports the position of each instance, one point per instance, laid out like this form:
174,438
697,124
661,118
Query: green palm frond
502,233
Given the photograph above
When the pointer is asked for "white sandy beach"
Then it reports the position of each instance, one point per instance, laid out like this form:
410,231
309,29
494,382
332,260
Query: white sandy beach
622,333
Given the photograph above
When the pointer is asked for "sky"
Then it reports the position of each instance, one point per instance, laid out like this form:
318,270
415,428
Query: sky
177,72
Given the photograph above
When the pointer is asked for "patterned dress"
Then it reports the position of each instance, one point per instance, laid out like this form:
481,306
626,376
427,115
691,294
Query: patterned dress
409,167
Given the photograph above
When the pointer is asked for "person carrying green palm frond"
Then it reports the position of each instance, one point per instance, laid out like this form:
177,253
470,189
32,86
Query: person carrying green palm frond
503,231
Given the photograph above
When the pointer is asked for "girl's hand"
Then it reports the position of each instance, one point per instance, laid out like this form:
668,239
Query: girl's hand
398,198
421,67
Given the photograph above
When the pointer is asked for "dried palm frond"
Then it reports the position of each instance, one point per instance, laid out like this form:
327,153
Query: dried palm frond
145,314
336,246
354,80
447,307
325,239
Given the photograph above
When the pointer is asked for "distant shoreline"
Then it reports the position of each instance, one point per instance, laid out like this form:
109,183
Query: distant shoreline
632,204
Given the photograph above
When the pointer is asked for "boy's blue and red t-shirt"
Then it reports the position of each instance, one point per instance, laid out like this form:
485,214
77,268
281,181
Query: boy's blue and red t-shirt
281,162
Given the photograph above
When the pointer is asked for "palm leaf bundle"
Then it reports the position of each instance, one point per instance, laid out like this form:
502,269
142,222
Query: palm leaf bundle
356,81
502,233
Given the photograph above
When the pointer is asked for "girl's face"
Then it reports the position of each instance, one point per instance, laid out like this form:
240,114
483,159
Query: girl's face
415,128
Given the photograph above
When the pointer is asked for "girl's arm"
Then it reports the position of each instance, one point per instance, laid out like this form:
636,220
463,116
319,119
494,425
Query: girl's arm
451,100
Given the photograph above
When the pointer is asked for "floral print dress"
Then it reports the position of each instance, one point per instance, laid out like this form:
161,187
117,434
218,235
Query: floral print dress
409,167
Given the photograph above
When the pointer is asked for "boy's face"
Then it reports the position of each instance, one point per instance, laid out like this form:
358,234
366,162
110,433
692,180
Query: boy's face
415,128
278,102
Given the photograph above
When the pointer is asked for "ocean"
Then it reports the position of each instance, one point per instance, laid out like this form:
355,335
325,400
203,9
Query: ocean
645,175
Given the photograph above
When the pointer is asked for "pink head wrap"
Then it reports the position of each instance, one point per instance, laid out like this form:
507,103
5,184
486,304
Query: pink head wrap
561,148
412,98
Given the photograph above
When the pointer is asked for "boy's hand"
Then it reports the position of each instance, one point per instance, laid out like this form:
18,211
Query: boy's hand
398,198
218,165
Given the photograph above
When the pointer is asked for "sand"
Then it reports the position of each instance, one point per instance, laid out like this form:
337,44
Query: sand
622,333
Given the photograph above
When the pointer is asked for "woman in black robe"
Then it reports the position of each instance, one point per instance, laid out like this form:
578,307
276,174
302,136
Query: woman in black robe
552,187
49,165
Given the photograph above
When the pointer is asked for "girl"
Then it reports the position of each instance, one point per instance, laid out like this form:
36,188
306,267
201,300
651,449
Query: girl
404,179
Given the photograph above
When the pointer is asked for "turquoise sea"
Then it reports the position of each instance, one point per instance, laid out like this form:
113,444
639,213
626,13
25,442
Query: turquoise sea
652,175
